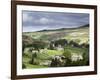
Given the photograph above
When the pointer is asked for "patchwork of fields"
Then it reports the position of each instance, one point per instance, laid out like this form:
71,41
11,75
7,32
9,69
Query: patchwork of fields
81,34
56,48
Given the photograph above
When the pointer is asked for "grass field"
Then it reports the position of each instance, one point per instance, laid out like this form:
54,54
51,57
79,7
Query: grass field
44,56
81,34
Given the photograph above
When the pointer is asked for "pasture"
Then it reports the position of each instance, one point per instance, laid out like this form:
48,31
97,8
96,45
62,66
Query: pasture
56,48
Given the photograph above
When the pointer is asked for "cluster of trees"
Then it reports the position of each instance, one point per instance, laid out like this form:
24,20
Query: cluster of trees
79,62
65,60
36,45
57,61
76,44
64,42
39,44
56,43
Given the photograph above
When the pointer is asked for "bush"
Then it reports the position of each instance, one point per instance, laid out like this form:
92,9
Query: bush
62,42
34,62
77,63
23,66
67,53
75,43
39,45
85,58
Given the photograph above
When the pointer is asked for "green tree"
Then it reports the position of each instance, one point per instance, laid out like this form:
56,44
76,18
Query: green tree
85,58
67,54
23,47
62,42
33,59
23,66
39,45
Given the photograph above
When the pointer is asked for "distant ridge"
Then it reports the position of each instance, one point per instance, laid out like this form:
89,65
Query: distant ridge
86,25
60,29
53,29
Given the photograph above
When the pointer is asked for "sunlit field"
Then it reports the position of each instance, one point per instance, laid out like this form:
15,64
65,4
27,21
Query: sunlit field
56,48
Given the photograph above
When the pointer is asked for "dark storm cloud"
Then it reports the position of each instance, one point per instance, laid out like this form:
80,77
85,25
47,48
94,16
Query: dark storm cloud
35,20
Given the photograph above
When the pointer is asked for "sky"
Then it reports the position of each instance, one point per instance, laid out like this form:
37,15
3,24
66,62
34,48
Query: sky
41,20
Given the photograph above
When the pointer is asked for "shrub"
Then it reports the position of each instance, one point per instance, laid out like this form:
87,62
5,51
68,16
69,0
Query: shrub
23,66
67,53
39,45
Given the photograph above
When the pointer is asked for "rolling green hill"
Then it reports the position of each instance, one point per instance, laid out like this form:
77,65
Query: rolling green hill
35,42
80,34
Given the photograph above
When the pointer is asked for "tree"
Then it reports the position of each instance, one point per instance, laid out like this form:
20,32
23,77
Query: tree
53,63
23,66
62,42
56,62
39,45
67,54
85,58
27,40
74,43
52,45
23,47
85,45
34,56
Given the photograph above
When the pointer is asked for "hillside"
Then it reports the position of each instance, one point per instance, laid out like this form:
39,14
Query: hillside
80,34
46,48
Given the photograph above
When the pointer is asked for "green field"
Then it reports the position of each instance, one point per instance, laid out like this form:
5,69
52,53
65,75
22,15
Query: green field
81,34
50,46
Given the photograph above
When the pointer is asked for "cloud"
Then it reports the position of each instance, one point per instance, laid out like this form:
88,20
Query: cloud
38,20
27,17
34,28
44,20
